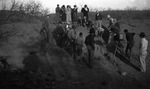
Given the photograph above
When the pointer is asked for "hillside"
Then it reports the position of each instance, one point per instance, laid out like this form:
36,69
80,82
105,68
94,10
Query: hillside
53,68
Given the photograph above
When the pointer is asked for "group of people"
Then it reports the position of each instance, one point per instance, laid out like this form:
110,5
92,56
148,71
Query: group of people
114,27
66,14
142,48
69,15
89,42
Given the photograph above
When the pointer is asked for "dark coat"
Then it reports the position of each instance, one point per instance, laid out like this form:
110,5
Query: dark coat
74,14
85,12
130,37
89,41
98,16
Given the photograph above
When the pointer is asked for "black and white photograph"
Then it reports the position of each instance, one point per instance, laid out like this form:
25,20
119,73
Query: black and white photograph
74,44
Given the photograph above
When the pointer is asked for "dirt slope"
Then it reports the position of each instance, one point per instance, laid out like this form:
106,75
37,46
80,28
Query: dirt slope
24,52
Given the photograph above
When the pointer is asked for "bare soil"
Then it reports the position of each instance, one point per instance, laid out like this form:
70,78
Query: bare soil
55,69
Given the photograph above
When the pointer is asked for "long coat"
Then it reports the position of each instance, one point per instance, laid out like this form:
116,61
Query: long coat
68,15
74,14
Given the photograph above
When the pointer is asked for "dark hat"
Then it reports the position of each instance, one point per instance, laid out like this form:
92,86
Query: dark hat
142,34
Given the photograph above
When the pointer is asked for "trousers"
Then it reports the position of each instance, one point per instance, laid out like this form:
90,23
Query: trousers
143,55
99,23
90,55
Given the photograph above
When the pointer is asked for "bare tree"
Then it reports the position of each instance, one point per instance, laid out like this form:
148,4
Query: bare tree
14,5
45,11
3,4
33,8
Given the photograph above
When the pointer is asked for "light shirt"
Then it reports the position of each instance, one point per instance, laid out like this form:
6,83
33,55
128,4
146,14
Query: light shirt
80,41
72,34
143,45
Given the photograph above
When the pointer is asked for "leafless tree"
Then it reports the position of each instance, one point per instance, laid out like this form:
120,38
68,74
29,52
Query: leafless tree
8,9
14,5
3,4
45,12
33,8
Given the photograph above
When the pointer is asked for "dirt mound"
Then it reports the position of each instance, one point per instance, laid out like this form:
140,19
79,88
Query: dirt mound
41,68
24,52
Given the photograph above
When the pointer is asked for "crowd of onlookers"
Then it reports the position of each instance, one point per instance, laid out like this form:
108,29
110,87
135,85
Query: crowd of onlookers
66,13
70,15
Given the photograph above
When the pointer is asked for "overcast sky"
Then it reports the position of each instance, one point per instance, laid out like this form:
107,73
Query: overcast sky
92,4
114,4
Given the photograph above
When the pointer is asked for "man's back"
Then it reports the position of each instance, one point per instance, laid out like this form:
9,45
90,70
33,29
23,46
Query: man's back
89,40
130,37
58,32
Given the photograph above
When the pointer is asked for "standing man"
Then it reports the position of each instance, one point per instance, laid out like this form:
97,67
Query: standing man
110,28
74,14
85,11
57,10
130,42
90,43
44,38
63,13
98,18
80,44
72,38
143,51
58,35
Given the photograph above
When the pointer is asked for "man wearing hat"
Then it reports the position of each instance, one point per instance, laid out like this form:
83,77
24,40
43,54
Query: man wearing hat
143,51
89,41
